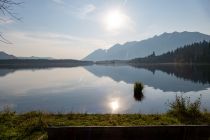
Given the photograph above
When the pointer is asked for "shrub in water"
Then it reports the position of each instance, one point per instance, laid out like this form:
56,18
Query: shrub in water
138,94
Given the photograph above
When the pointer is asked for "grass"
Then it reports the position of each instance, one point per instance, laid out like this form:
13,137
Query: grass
32,125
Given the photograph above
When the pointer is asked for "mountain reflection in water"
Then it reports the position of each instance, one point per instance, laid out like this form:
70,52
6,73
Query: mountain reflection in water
175,78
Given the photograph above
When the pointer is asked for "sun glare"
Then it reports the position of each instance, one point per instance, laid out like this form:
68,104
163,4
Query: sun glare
114,105
114,19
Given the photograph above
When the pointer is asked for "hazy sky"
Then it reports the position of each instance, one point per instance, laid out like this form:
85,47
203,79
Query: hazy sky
74,28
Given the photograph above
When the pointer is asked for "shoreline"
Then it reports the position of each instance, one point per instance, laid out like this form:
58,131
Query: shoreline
34,124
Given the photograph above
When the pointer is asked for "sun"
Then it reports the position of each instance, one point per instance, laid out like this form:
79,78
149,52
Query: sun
114,19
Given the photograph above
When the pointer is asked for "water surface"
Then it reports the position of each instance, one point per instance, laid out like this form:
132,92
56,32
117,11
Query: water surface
101,89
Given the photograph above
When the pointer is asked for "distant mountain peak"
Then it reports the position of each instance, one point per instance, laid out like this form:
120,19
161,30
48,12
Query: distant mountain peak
158,43
4,55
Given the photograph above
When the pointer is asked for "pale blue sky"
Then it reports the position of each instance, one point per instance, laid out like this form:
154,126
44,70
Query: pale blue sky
74,28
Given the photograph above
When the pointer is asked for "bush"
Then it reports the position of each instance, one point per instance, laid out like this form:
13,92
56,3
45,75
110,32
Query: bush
185,110
138,94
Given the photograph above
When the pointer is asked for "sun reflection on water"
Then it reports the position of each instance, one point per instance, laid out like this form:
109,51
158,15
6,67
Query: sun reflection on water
114,105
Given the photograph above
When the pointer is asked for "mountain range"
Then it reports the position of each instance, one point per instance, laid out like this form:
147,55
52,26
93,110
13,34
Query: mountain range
158,44
5,56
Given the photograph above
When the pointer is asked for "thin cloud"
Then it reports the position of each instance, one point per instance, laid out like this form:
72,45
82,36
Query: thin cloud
52,44
58,1
86,10
4,20
124,2
82,11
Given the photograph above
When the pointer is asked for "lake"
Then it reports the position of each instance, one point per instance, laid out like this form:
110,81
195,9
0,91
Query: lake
102,89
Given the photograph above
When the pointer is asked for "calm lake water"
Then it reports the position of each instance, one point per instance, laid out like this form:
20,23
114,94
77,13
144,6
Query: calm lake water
102,89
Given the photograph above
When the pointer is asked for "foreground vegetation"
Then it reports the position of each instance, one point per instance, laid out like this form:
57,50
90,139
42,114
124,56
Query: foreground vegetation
33,125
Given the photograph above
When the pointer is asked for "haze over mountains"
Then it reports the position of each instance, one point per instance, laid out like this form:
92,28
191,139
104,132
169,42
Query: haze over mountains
159,44
136,49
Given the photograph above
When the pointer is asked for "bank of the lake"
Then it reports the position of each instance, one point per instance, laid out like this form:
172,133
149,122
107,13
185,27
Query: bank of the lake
32,125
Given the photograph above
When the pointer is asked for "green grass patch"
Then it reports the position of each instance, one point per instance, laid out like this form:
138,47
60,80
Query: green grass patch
33,125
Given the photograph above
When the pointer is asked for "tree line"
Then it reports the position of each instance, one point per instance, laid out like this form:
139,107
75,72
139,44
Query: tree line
193,53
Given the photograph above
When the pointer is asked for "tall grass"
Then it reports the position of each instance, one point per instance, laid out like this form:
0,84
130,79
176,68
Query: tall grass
22,126
186,111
